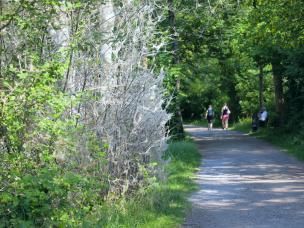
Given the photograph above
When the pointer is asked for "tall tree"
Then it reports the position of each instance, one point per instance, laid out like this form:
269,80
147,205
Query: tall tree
176,122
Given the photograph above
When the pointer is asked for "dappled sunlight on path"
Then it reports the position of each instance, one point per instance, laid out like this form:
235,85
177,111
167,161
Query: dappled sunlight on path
245,182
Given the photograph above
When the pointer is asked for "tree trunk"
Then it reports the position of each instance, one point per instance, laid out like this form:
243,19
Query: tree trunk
1,42
261,86
277,70
177,112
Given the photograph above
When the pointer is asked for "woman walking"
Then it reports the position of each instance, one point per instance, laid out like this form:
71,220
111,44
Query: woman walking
225,116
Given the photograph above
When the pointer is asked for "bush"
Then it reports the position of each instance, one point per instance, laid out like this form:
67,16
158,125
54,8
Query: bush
46,195
164,202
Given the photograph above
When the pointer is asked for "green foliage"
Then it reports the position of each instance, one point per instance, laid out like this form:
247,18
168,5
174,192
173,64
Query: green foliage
295,93
53,170
55,197
289,141
247,88
31,105
205,68
243,125
40,187
46,195
270,38
162,204
217,122
221,47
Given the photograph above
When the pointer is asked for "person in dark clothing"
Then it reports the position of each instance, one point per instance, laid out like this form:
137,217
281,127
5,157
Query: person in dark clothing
209,116
255,122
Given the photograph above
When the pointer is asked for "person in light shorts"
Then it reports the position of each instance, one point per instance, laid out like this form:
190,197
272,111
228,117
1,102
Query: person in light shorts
225,116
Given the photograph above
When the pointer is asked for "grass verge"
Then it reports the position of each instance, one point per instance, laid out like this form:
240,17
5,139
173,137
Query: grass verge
164,204
203,122
291,142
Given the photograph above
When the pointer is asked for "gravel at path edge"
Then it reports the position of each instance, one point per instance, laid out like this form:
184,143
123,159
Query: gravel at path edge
245,182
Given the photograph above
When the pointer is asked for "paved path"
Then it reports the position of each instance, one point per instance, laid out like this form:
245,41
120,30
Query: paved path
245,182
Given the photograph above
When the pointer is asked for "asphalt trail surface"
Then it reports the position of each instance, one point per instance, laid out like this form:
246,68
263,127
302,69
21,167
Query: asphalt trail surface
245,182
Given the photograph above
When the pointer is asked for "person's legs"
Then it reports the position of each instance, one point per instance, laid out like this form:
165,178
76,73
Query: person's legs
225,118
210,120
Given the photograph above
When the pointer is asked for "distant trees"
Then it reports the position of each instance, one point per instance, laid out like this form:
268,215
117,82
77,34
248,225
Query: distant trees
246,53
274,38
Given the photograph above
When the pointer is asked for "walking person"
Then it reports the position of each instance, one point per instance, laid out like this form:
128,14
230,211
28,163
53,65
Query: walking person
209,116
225,116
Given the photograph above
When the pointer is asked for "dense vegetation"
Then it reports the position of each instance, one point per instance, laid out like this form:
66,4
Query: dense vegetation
82,120
50,196
290,142
86,88
246,53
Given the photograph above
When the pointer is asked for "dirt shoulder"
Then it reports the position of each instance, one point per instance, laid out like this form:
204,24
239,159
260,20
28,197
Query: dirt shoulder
245,182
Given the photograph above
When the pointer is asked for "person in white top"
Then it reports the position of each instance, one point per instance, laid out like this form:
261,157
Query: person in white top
225,116
263,117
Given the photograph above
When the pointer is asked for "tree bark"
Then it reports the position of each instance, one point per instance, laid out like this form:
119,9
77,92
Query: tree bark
261,87
1,42
73,32
178,114
277,70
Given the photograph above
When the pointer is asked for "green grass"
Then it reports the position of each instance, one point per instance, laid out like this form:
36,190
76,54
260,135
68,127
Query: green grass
197,122
164,204
243,125
291,142
203,122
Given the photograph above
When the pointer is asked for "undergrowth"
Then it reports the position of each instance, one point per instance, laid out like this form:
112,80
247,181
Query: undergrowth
203,122
291,141
164,203
49,197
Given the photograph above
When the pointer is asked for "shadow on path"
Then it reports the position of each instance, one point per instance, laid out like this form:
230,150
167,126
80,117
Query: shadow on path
245,182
